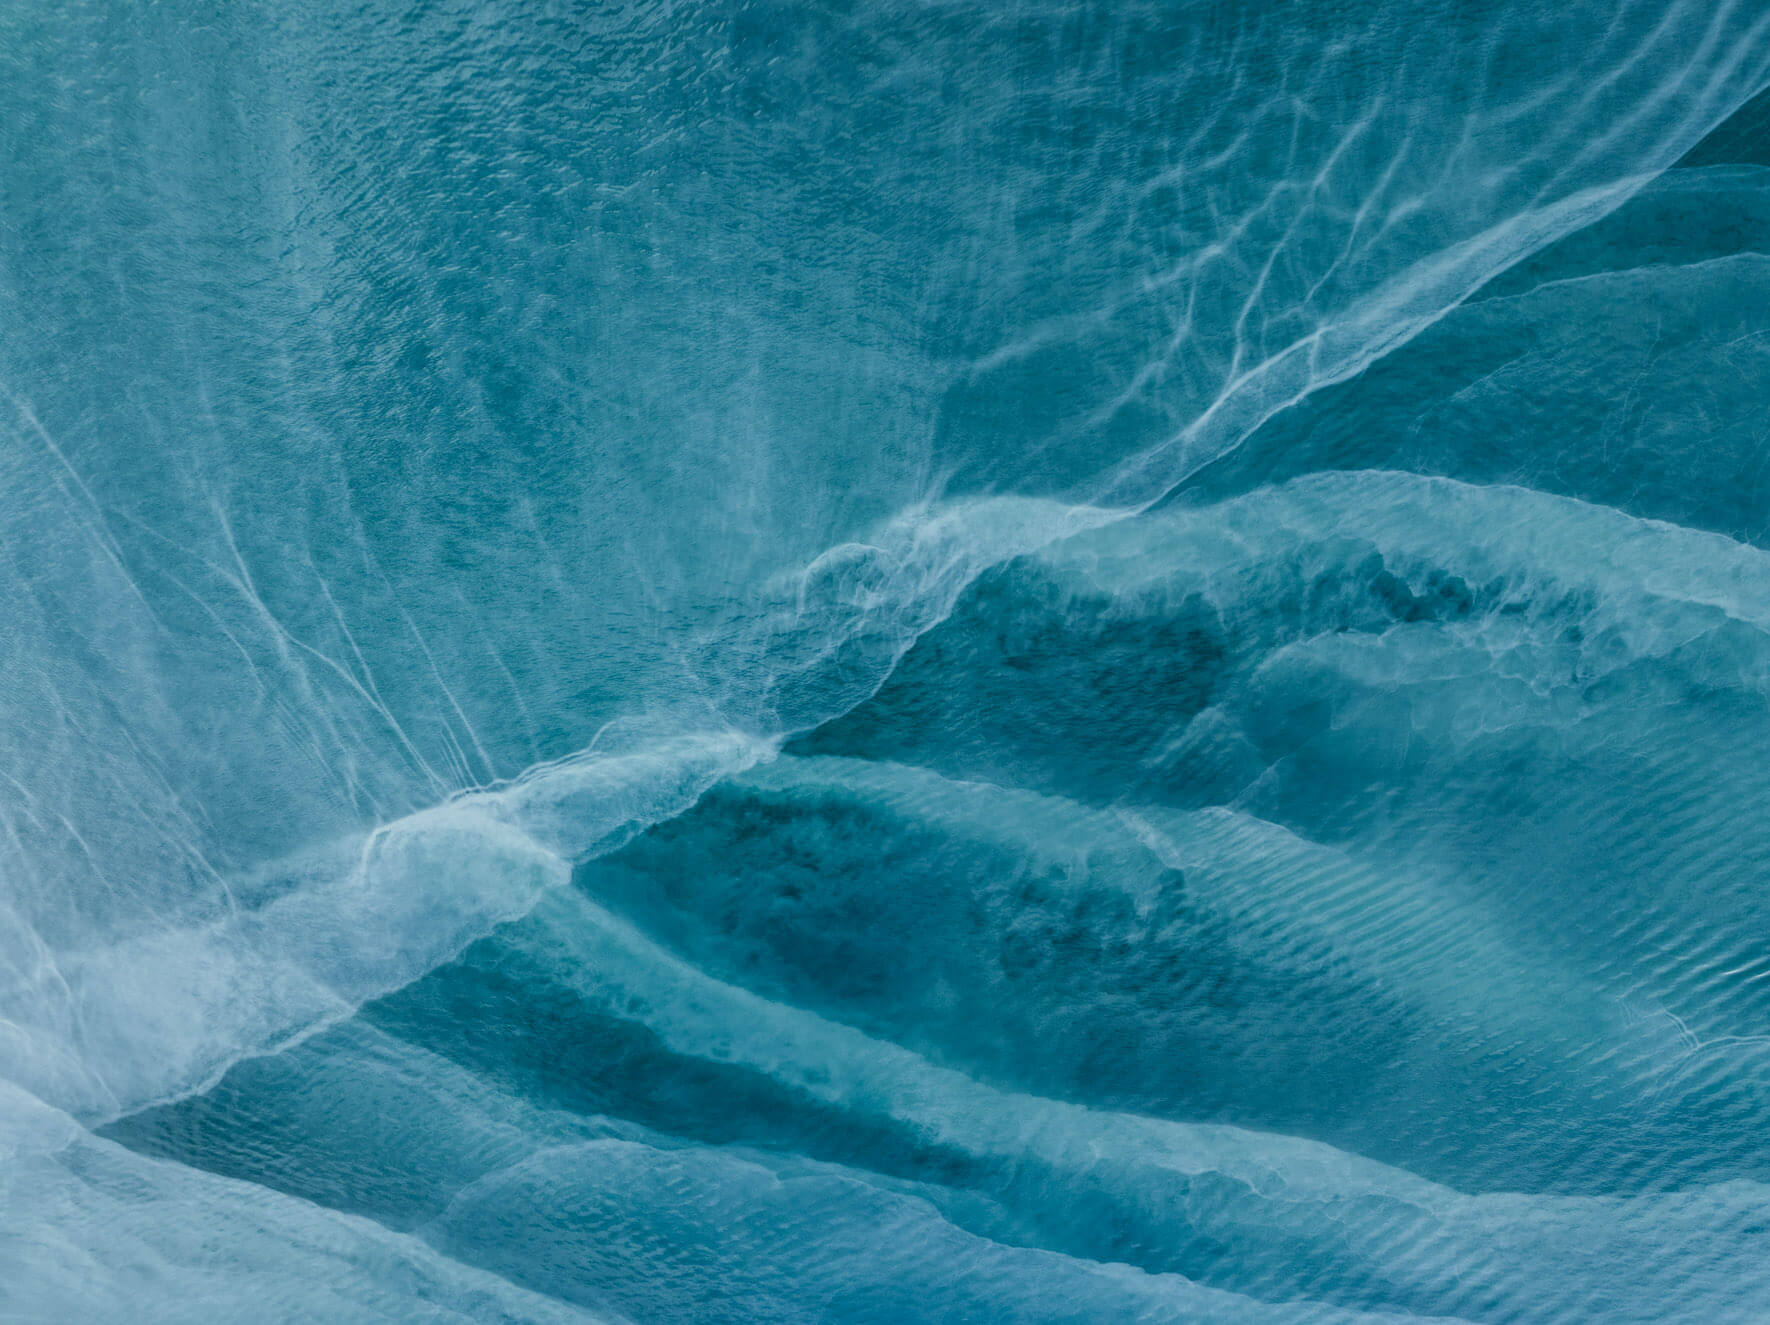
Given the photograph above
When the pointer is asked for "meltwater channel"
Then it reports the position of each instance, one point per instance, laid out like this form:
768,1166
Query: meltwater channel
897,661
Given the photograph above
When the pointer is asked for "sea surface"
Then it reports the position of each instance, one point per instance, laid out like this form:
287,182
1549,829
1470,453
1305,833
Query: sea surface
909,661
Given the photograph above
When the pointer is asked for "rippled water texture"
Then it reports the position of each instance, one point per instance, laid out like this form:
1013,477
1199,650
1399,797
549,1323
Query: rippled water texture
1046,660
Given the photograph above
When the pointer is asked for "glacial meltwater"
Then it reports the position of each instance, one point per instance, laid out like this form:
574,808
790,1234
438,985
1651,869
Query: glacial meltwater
894,661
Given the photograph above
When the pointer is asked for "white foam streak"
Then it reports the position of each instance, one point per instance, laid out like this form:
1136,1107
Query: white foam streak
104,1031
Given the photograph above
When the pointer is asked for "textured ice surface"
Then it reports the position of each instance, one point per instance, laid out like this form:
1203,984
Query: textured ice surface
1039,661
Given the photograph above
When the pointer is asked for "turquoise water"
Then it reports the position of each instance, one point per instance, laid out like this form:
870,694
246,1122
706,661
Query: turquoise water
902,662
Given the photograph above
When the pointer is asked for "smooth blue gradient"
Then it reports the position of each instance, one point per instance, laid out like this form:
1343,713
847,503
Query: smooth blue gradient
912,661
